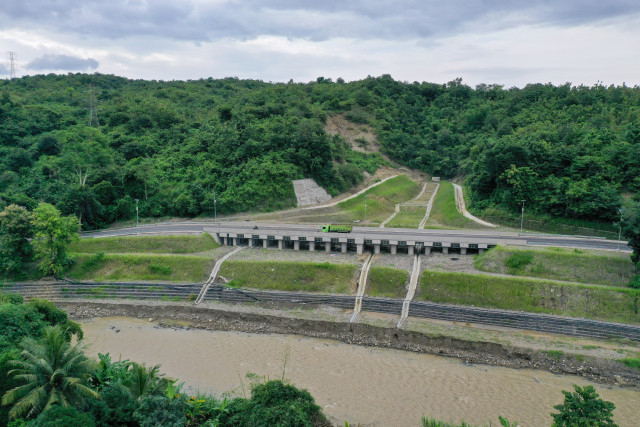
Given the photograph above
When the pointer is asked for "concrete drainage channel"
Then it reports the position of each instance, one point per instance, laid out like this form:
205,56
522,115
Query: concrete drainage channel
64,291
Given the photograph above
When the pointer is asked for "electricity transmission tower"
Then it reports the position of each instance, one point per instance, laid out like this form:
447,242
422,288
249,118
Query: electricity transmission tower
12,61
93,108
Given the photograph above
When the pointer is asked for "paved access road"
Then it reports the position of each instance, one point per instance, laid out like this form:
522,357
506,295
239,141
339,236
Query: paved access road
367,232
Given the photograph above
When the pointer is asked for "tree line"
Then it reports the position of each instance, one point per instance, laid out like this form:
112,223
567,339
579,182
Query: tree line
185,148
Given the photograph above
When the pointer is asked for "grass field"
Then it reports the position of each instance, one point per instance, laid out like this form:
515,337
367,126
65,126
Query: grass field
146,244
408,217
291,276
381,200
444,212
559,264
387,282
171,268
533,295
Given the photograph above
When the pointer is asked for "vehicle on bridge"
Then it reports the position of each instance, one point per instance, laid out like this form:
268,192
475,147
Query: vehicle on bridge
336,228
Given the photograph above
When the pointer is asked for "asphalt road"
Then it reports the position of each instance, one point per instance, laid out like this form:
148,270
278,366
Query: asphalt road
371,232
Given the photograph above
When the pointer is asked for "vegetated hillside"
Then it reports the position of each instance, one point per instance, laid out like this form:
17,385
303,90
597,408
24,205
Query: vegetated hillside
568,151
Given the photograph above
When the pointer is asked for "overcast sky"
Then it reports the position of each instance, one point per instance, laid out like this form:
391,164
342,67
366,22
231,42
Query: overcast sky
509,42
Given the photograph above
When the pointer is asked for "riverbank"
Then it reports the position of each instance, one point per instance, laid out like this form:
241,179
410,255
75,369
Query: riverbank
378,333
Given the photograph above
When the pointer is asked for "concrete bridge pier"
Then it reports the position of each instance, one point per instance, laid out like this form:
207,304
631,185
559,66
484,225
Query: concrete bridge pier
296,245
463,251
376,248
250,242
343,247
480,250
394,249
279,244
327,246
312,246
410,249
427,250
359,248
445,250
264,243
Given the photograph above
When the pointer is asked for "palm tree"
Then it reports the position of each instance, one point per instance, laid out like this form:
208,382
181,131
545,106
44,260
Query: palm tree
147,381
52,372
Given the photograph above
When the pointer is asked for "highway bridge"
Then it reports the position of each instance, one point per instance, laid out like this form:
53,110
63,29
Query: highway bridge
391,240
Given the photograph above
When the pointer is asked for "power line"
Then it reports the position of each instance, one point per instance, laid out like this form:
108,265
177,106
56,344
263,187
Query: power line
12,60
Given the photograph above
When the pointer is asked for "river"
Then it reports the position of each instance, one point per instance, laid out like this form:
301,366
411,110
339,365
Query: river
362,385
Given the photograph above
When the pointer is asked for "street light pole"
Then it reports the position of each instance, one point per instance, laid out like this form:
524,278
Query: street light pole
620,228
522,217
365,210
215,207
137,220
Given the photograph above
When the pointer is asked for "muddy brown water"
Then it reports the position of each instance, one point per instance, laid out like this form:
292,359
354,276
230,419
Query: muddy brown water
362,385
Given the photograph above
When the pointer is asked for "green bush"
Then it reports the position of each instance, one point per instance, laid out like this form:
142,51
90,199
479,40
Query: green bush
583,408
59,416
518,260
275,403
160,269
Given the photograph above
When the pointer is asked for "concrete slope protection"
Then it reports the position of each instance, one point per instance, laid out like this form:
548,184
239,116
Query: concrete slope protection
429,207
413,284
214,274
463,210
362,284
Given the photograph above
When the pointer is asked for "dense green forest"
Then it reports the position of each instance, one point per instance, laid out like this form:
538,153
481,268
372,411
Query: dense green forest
569,151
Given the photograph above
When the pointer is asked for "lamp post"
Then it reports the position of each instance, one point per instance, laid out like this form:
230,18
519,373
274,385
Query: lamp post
522,217
365,210
215,207
620,228
137,212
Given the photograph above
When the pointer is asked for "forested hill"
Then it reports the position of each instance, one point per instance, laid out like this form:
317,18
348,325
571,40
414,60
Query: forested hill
569,151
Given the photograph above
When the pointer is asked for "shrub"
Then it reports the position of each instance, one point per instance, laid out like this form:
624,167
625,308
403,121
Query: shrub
583,408
59,416
275,403
518,260
164,270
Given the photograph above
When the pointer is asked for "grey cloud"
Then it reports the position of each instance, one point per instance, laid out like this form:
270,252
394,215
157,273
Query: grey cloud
62,62
4,70
200,21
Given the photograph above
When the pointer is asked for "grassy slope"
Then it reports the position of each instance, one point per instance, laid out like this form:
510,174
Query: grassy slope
172,268
559,264
444,212
291,276
533,295
548,224
147,244
381,200
408,217
387,282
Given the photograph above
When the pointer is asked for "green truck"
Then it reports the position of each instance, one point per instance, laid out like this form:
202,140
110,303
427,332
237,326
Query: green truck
336,228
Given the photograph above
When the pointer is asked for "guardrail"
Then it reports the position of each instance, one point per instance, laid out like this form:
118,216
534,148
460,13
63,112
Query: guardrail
421,309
